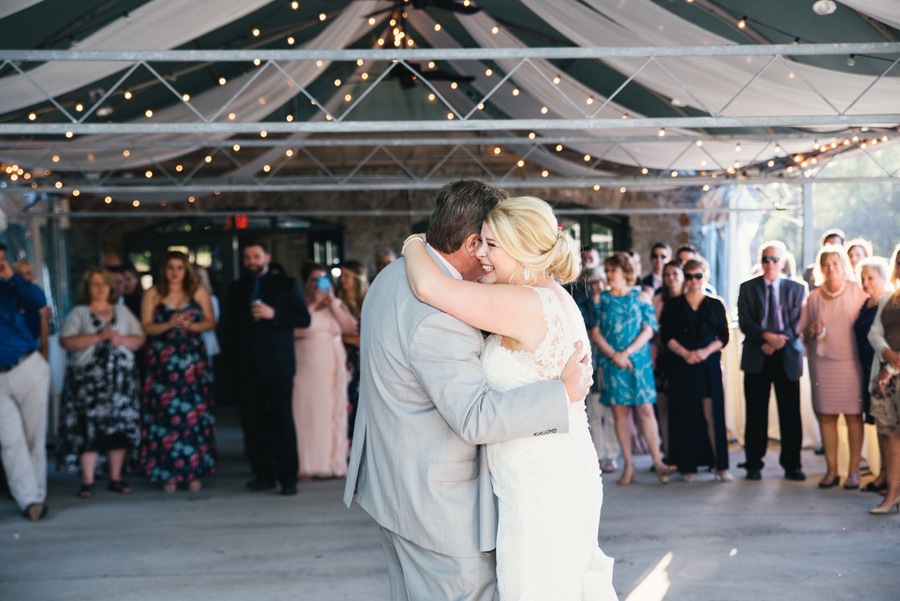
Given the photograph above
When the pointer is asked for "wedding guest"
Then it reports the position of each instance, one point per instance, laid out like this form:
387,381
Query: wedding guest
354,286
832,236
600,418
788,266
38,321
857,250
872,272
685,253
626,325
826,324
885,386
769,308
638,267
694,328
673,286
383,258
132,292
210,340
320,382
660,253
24,388
262,311
100,411
178,433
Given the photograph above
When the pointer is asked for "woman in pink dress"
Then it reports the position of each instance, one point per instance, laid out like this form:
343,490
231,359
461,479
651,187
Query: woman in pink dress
320,384
826,325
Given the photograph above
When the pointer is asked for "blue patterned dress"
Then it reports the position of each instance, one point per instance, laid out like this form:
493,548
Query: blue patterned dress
178,428
621,320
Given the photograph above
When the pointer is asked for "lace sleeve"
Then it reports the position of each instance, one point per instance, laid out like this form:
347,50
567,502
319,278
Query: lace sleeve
551,355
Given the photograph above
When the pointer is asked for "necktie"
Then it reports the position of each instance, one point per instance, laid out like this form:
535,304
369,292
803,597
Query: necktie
772,315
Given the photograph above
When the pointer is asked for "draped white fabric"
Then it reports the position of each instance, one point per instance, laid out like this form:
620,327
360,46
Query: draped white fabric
156,25
271,87
11,7
714,80
886,11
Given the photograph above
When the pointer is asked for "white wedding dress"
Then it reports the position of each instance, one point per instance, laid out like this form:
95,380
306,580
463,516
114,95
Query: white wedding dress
548,486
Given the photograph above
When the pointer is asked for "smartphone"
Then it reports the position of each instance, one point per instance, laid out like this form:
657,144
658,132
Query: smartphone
323,283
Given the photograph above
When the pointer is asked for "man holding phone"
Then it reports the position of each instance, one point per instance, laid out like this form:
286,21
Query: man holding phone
262,309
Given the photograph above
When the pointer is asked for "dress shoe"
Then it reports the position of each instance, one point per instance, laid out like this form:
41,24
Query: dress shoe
260,484
795,474
35,512
886,509
289,490
754,475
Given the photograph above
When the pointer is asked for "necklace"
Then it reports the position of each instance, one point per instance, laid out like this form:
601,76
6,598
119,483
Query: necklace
874,301
834,294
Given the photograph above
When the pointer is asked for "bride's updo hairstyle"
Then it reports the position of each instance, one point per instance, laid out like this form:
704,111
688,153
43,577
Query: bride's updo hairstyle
527,229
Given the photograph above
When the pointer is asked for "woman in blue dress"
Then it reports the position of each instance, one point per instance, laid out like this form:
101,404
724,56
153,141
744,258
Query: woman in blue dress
627,323
178,433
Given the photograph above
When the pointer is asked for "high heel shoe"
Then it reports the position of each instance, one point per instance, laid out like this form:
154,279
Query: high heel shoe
724,476
886,509
629,475
663,472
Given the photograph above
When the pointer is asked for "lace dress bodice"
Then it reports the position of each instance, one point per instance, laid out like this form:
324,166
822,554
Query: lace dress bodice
506,369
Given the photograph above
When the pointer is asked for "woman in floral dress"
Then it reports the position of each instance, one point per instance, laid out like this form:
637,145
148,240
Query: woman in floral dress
100,409
178,426
627,323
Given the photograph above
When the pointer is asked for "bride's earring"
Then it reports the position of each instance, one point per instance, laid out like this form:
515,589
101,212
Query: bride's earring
525,273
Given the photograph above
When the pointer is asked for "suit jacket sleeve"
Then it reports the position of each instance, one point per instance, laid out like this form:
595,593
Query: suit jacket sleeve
294,313
876,332
748,321
791,313
445,357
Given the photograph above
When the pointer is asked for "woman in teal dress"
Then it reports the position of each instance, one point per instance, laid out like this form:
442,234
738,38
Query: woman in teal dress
178,432
627,323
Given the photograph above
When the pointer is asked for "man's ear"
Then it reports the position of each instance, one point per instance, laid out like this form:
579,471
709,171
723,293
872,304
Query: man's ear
472,243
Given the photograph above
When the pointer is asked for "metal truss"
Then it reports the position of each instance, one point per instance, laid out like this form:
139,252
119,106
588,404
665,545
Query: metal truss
462,118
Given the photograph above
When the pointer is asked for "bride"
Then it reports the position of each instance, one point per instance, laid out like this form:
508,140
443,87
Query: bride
548,486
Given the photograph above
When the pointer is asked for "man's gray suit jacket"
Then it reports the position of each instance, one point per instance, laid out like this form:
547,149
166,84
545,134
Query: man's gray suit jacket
416,464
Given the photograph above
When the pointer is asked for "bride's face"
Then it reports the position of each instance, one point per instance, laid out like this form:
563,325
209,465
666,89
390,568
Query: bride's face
496,264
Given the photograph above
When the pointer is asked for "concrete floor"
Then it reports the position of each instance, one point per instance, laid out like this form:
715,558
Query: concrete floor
703,541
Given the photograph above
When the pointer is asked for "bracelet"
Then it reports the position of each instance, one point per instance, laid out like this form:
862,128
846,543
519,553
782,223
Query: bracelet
408,240
891,369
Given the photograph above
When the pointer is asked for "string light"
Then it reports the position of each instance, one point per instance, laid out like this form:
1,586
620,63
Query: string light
662,132
699,142
742,23
705,187
556,80
69,134
136,203
185,97
178,168
79,107
543,110
32,116
319,64
559,148
450,116
348,97
453,86
295,5
489,72
371,20
236,147
521,163
337,82
359,62
267,168
108,199
289,118
437,26
127,95
497,150
596,187
125,153
737,147
623,189
590,100
645,171
515,92
531,136
58,185
191,199
263,134
322,16
495,30
289,152
431,97
381,41
149,174
545,173
231,116
674,174
365,76
851,61
255,32
587,158
481,106
208,159
796,41
624,115
149,113
221,81
290,40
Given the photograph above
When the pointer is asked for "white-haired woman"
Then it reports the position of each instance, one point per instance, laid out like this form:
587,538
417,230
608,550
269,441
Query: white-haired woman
826,324
548,487
873,274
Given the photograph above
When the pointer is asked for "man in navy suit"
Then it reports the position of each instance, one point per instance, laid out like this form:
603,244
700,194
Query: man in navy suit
261,313
768,311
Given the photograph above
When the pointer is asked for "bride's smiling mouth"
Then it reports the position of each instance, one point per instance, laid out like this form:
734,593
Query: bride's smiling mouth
485,268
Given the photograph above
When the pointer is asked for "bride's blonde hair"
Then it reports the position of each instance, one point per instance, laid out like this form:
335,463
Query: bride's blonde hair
527,229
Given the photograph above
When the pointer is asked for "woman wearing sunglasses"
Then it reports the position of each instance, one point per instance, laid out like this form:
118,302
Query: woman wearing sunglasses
694,328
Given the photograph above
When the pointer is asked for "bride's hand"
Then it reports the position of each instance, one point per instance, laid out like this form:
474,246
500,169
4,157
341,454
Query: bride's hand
577,374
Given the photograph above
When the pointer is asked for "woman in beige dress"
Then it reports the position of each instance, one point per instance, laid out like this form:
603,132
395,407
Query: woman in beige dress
826,324
320,384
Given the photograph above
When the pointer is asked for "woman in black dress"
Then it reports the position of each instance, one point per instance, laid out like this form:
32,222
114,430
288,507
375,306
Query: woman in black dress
694,328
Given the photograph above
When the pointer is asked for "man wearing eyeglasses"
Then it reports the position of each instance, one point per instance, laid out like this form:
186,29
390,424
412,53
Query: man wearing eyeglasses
768,311
660,254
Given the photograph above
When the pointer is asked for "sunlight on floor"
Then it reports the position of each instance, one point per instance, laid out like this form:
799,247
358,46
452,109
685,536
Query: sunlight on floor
655,585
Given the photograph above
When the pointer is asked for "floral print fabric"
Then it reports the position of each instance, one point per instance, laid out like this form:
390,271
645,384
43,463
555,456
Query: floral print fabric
178,429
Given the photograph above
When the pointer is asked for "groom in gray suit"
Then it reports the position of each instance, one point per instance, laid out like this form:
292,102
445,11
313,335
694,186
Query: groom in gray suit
416,464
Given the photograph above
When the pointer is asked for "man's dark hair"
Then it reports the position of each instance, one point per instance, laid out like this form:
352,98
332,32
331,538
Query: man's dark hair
832,233
255,242
662,245
115,269
586,248
459,211
3,247
686,248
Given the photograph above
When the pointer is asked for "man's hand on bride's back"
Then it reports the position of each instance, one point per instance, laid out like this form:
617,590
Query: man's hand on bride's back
577,374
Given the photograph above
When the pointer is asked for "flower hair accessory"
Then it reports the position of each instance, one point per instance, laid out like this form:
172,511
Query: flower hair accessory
559,230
